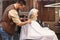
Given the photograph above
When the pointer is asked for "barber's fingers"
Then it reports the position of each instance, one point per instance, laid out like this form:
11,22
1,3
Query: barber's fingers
29,20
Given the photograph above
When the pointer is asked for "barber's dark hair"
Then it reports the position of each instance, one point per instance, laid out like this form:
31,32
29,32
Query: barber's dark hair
23,2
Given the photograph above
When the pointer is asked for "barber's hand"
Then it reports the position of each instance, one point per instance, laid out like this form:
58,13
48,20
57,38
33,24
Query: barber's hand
29,20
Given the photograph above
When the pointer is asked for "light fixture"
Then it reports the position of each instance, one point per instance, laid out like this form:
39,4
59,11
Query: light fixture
53,5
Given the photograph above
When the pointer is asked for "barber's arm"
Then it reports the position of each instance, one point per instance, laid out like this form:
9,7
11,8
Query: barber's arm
13,14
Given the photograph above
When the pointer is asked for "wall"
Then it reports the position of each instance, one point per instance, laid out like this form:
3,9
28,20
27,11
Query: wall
0,9
56,14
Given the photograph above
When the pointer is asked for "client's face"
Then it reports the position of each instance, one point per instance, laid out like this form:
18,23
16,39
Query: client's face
35,16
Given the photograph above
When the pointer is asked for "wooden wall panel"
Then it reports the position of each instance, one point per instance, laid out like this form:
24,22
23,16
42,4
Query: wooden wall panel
45,13
52,14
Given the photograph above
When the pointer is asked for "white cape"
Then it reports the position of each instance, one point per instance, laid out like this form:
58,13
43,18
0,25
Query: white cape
35,31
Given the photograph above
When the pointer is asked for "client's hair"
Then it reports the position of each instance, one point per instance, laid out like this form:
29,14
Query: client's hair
32,12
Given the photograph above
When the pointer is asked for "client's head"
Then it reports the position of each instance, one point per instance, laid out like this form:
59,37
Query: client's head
33,14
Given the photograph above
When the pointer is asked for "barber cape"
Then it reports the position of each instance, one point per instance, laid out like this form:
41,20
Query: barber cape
35,31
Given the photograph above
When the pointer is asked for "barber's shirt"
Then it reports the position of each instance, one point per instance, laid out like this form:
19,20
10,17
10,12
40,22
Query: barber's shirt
13,14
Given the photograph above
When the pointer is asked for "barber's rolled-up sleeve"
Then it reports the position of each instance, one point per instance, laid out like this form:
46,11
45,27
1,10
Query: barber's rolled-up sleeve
13,14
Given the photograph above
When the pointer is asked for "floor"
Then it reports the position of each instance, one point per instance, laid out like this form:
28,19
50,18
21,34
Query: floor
16,37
